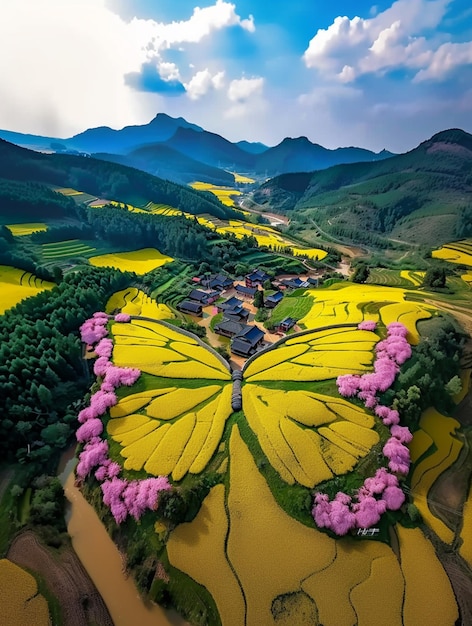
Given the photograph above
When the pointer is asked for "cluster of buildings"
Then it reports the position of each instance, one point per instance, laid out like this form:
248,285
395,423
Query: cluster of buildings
246,338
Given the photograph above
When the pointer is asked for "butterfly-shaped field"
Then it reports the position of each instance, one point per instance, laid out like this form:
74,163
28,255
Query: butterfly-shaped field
172,420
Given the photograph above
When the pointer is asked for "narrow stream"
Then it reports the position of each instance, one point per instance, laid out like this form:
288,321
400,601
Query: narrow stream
103,562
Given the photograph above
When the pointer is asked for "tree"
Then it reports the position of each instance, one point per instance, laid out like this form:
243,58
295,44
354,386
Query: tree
259,299
435,278
361,273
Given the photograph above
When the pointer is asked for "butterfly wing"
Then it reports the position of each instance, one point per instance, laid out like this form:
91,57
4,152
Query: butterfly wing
307,436
171,421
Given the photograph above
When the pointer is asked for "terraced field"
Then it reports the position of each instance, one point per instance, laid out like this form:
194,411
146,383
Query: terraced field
265,236
16,285
64,249
459,252
434,447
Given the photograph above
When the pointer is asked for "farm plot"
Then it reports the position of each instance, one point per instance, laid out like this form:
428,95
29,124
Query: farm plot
265,236
135,302
16,285
387,278
426,582
353,304
138,261
162,209
169,429
282,571
21,603
222,193
443,450
65,249
22,230
458,252
465,549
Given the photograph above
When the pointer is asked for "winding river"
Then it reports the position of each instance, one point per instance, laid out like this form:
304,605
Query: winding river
103,561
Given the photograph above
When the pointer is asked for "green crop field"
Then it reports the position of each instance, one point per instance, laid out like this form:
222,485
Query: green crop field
64,249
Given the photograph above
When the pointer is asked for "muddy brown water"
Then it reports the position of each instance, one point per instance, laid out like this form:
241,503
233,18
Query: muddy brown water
103,562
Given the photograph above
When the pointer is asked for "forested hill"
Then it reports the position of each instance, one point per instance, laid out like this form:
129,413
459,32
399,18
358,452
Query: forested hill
424,195
104,179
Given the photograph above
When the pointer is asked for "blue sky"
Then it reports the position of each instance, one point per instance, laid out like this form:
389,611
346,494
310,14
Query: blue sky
377,75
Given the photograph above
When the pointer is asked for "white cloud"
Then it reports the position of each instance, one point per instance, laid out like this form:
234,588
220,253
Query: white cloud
349,48
202,82
201,24
63,62
242,89
446,59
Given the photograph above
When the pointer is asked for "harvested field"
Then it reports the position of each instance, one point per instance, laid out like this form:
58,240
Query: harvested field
67,579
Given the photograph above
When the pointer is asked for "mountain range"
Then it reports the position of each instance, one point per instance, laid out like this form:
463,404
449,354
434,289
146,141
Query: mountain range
421,196
181,151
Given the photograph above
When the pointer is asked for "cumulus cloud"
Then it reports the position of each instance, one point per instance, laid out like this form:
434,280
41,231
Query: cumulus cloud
202,82
393,39
243,88
201,24
445,60
71,64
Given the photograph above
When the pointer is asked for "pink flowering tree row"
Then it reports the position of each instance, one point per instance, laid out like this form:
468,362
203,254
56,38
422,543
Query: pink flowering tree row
123,497
380,492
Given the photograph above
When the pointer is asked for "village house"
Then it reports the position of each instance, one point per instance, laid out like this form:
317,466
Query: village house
256,277
273,300
246,292
248,341
190,307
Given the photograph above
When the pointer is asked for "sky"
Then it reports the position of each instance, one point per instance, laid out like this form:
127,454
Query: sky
342,73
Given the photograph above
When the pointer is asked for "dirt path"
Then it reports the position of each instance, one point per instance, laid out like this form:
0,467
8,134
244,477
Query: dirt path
65,577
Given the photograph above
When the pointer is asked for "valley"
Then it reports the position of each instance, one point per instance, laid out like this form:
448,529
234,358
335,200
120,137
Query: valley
265,372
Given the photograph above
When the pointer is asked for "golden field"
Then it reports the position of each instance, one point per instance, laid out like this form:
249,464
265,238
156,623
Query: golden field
21,604
350,304
138,261
21,230
282,572
459,252
133,301
445,449
16,285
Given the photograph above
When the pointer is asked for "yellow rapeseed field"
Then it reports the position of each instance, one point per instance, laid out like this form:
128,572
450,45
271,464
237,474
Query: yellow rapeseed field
429,598
239,178
265,236
459,252
21,604
139,261
198,549
16,285
136,302
414,277
346,304
465,550
222,193
442,431
20,230
283,422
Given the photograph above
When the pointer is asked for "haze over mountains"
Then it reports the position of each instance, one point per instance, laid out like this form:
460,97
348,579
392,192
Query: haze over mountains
176,149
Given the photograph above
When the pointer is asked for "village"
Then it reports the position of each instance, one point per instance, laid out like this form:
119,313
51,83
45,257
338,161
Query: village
228,309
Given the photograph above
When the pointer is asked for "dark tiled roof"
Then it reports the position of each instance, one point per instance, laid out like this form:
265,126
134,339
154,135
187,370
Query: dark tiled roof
190,305
243,348
199,296
249,291
230,326
275,297
251,334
